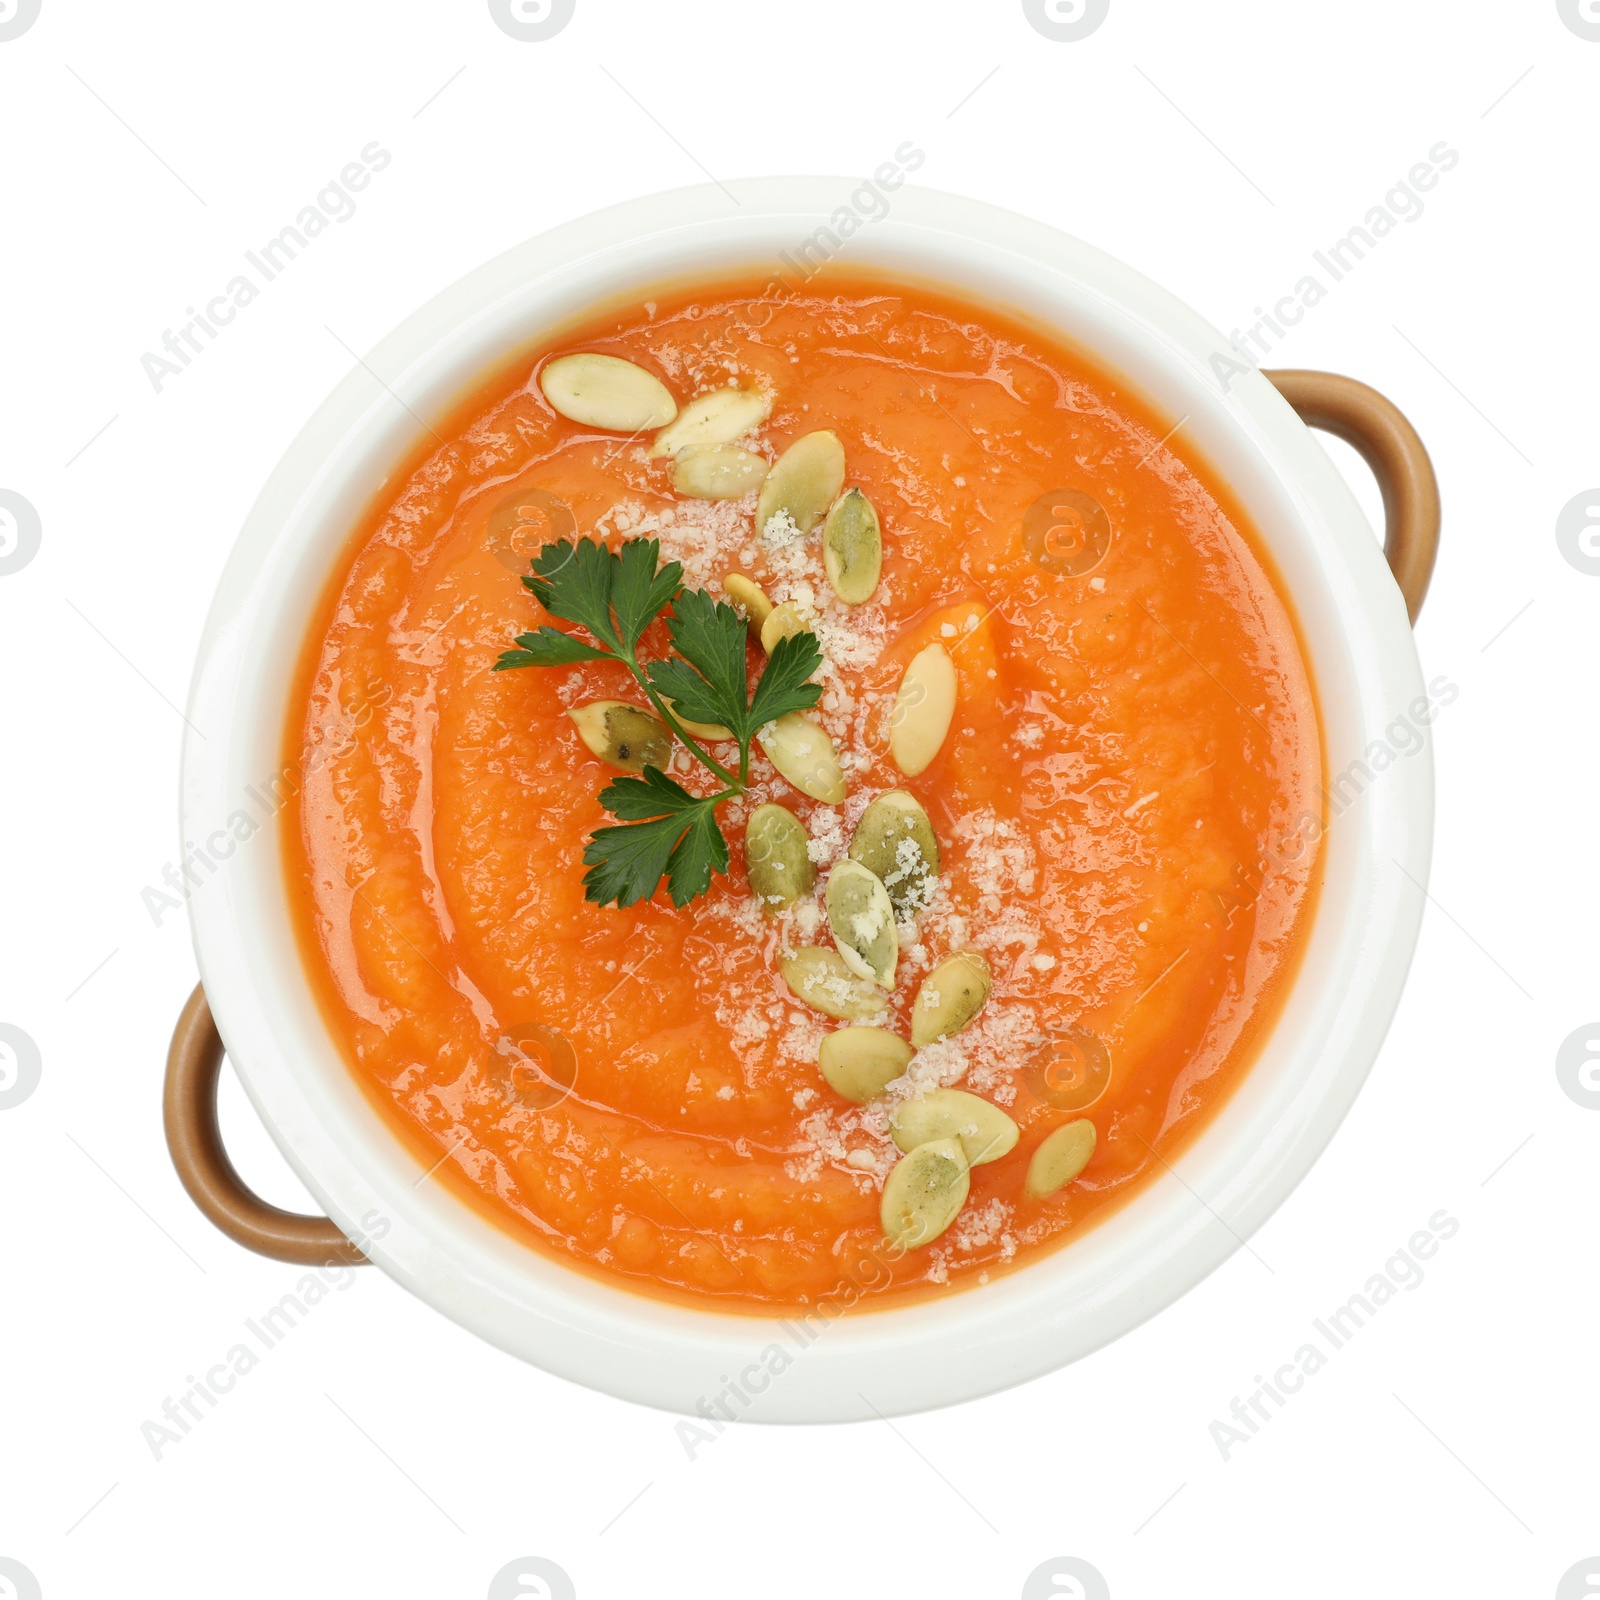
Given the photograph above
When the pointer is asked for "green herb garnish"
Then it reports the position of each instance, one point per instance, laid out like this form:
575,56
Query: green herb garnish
614,597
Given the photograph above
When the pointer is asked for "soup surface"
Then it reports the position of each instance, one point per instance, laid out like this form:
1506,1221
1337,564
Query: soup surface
1126,804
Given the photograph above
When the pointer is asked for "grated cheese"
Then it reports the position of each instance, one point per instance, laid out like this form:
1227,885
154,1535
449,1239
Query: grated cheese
983,897
979,1226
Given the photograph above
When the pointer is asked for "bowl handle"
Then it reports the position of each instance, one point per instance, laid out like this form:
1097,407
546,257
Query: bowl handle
189,1109
1399,460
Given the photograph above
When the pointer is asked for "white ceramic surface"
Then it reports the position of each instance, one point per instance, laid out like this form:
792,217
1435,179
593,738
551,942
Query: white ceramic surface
1154,1248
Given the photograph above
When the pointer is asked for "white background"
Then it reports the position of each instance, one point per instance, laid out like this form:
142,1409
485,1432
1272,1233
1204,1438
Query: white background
380,1450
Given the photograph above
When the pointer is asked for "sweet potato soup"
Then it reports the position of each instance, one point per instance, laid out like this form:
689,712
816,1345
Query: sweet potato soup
803,792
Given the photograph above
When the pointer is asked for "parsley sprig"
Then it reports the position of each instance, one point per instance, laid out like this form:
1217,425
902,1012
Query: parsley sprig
614,596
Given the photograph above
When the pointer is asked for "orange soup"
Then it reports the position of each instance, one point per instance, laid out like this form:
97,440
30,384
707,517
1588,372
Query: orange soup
1070,672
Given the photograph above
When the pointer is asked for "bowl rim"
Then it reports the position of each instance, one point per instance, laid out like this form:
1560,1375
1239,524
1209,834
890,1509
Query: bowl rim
1158,1244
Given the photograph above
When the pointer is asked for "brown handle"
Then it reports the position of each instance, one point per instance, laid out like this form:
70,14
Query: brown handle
189,1109
1399,460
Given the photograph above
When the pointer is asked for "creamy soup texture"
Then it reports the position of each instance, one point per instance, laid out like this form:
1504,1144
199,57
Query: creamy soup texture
1126,803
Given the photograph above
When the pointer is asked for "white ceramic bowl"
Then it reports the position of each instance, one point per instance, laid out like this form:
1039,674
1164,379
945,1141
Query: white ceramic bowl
1185,1222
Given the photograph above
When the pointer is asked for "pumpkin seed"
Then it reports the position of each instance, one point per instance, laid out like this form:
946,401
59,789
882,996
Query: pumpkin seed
719,417
751,598
852,548
985,1131
924,1192
1060,1157
624,735
922,710
698,730
862,921
805,480
717,472
860,1063
950,997
782,621
894,839
824,982
802,751
606,392
776,859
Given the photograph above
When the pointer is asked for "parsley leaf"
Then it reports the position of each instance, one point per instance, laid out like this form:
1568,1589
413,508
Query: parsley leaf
783,687
701,849
709,682
664,831
638,592
653,795
549,647
584,582
707,677
573,581
625,864
669,832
